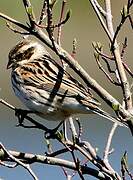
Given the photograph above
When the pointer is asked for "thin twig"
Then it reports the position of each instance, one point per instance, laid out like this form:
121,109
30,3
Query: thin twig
117,32
26,166
101,10
107,149
98,13
131,21
104,71
79,127
17,23
77,164
109,140
30,13
50,28
74,47
124,48
43,15
8,165
59,27
88,147
15,30
58,152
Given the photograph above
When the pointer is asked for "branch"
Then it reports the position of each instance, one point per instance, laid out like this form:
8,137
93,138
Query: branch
107,148
116,51
19,162
37,125
30,13
31,158
60,20
93,157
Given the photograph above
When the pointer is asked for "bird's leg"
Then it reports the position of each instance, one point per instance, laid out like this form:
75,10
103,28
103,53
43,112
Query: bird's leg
76,138
21,114
65,130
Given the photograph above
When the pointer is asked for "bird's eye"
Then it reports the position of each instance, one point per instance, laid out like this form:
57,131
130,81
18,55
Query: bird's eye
28,53
19,56
25,55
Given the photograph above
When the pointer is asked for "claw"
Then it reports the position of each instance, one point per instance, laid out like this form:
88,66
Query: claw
21,114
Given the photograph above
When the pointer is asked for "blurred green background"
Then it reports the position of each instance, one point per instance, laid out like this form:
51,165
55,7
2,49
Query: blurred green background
85,27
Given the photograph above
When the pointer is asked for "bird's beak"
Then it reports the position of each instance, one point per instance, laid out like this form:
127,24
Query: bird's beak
9,65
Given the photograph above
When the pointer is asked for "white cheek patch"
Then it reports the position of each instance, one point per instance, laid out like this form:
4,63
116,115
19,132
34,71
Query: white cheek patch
39,51
22,62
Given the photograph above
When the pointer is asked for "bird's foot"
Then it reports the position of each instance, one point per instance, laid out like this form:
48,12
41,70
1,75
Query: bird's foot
21,114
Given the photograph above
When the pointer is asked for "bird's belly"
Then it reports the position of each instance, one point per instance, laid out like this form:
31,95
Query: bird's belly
46,112
37,100
41,107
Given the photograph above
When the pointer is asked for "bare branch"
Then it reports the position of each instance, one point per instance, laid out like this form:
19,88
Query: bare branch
77,164
17,23
98,13
31,158
122,74
61,17
43,15
14,159
107,148
15,30
30,13
101,10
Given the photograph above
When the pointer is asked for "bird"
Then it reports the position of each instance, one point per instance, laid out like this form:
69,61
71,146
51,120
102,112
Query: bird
46,88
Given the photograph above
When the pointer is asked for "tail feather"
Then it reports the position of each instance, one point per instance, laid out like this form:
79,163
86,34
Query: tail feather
108,116
92,105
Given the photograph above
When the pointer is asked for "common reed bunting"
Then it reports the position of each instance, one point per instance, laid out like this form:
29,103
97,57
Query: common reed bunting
45,87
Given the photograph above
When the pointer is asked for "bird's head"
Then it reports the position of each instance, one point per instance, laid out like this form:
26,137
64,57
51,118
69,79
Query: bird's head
24,52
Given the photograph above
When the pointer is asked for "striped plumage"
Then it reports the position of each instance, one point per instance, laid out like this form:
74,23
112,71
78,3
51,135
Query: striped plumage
45,87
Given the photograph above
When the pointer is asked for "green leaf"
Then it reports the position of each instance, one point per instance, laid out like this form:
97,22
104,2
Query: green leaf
60,135
29,10
115,107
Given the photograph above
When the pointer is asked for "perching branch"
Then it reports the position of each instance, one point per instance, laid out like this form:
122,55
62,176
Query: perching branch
10,157
43,159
